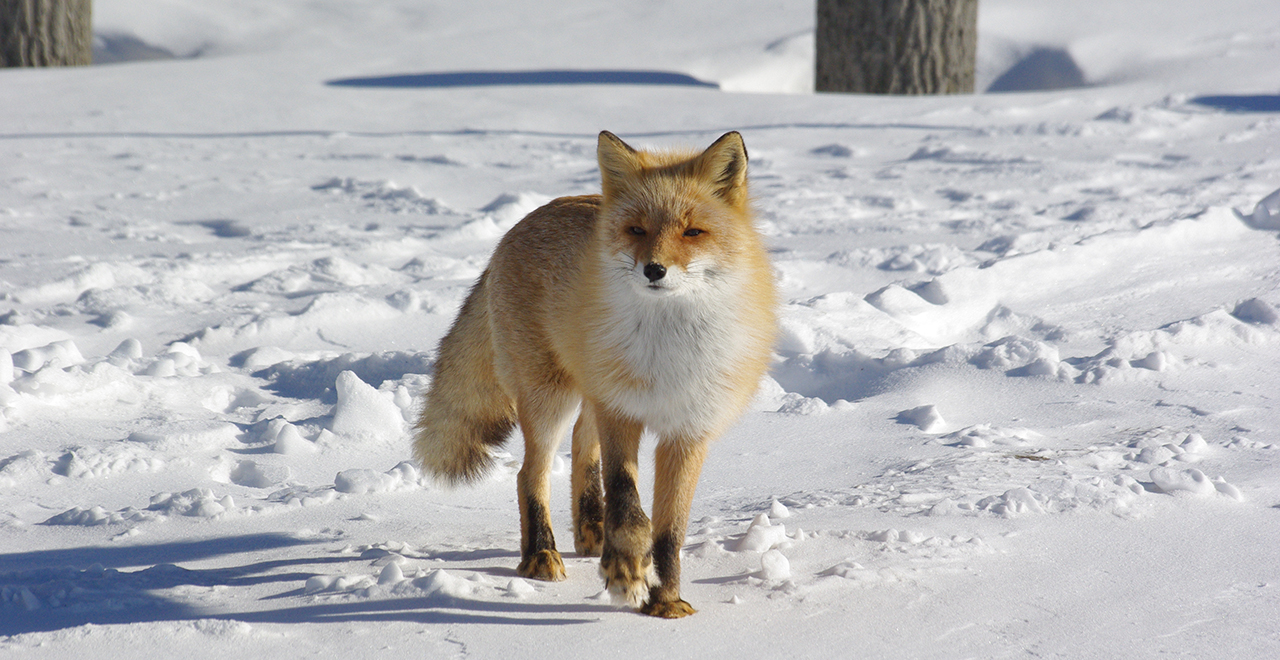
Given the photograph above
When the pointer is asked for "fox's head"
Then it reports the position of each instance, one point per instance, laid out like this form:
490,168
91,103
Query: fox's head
675,222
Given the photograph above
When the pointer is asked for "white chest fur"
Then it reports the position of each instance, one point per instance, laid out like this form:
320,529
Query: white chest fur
683,347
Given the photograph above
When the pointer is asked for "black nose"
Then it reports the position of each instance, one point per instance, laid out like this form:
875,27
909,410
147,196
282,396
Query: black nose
654,271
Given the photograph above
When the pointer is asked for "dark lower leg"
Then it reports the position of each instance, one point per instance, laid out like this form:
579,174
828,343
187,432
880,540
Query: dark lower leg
626,559
539,559
678,466
588,494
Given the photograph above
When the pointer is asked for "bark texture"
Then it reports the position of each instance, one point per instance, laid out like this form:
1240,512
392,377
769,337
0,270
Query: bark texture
46,32
896,46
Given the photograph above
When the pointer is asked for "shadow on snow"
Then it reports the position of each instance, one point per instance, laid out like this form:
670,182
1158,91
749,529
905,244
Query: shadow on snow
1241,102
509,78
48,590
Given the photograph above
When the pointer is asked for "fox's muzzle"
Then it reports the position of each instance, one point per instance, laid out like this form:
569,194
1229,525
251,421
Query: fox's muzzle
654,271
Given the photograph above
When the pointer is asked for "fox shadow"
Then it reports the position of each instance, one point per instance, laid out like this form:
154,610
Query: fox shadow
51,590
521,78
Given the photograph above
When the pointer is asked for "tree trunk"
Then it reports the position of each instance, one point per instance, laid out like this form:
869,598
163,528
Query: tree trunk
896,46
46,32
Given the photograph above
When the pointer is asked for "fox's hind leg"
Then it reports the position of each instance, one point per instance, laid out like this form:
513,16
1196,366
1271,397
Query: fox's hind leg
626,559
677,466
544,417
588,496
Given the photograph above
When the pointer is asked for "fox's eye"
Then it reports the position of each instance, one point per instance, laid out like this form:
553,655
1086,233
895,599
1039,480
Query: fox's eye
635,231
693,232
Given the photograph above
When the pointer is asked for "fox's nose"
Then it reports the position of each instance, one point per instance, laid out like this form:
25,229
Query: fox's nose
654,271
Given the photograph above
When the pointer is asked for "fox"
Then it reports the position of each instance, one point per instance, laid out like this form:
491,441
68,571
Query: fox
650,306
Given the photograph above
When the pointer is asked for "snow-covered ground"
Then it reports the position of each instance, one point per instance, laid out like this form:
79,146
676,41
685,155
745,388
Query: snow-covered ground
1025,400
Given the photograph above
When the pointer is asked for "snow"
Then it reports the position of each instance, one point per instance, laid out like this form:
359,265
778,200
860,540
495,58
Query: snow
1023,401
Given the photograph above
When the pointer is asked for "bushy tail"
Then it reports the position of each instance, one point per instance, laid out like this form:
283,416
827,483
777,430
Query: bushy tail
466,410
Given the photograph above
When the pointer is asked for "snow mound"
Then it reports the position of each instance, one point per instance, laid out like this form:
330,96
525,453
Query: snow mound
926,418
360,481
762,535
1266,213
363,412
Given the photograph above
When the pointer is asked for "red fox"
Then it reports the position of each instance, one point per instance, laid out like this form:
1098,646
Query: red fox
649,306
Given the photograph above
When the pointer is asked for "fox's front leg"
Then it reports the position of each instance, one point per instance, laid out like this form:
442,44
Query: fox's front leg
588,496
678,464
626,560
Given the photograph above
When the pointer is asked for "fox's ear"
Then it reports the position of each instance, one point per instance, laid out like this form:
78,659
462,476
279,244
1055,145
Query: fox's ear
724,163
618,163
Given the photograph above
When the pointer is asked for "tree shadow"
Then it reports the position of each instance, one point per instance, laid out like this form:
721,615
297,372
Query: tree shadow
125,556
1043,69
1241,102
52,590
510,78
430,609
113,48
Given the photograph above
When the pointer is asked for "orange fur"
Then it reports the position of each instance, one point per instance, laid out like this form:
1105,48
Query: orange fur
651,306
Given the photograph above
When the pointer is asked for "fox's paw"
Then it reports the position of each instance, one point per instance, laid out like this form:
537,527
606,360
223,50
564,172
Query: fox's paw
671,609
545,565
628,578
588,540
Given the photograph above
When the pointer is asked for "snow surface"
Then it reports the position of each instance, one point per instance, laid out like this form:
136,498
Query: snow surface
1024,403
